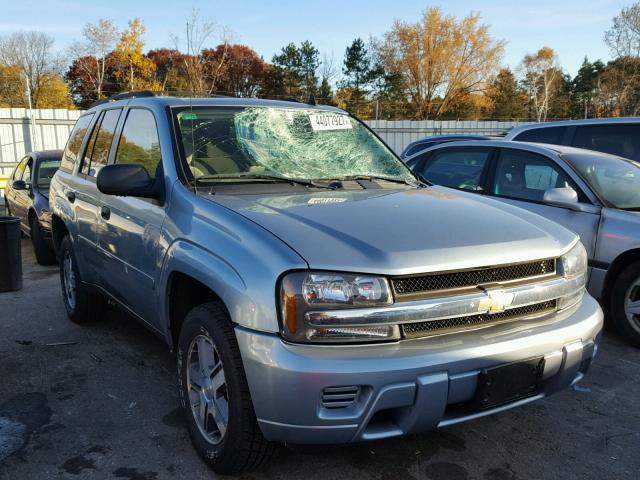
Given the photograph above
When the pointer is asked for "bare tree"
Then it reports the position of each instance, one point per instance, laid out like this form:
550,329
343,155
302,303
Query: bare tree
32,52
200,73
92,53
623,74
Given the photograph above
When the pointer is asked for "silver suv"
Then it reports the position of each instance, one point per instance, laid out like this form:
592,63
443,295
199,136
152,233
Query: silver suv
315,290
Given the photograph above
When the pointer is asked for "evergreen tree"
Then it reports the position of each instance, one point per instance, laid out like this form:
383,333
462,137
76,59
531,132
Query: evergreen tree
309,63
358,73
506,98
287,66
584,89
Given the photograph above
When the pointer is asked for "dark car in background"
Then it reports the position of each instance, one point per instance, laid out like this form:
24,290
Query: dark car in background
27,197
430,141
617,136
595,194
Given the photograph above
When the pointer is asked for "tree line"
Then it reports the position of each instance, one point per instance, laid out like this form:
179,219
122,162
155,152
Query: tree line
438,67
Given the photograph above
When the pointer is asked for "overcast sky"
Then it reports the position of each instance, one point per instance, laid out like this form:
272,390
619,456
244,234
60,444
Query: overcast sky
573,28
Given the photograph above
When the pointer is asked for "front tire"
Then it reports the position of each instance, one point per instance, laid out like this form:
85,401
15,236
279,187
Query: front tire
81,305
214,393
44,253
625,303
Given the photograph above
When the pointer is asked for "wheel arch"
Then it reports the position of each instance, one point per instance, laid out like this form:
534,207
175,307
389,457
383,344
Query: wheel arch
58,231
192,276
616,267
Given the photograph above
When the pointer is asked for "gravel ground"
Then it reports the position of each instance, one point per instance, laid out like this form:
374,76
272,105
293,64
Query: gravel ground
99,401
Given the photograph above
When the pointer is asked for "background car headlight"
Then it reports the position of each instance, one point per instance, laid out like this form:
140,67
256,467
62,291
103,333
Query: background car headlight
304,292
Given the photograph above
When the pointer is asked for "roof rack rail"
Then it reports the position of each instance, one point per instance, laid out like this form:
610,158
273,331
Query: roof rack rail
123,96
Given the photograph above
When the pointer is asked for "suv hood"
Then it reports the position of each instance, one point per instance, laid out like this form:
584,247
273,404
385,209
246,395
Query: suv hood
402,231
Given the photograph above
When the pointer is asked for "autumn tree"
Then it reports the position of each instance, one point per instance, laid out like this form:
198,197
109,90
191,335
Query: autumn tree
540,78
91,55
242,70
441,59
619,88
54,93
168,73
12,87
32,52
134,71
505,99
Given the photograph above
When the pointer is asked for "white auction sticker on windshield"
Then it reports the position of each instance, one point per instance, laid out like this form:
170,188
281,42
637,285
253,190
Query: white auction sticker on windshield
329,121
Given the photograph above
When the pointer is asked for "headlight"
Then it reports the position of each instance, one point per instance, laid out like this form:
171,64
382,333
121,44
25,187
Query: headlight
574,262
574,269
305,292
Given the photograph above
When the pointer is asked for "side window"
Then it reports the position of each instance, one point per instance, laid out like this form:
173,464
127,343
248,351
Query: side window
139,142
622,140
74,143
460,168
551,135
101,138
26,174
17,174
526,176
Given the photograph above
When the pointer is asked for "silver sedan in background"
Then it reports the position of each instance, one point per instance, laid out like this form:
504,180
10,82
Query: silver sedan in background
594,194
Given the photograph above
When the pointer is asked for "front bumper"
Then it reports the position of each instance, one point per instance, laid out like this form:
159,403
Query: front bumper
405,387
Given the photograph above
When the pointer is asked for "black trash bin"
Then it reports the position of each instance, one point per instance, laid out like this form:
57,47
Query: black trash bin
10,255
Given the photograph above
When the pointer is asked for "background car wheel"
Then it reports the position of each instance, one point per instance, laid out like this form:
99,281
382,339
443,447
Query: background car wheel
625,303
214,393
44,253
82,306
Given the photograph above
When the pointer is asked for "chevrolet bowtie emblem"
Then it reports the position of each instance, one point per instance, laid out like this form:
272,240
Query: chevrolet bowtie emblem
496,301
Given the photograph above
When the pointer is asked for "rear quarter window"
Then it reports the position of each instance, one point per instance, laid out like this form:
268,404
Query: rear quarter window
552,135
617,139
71,151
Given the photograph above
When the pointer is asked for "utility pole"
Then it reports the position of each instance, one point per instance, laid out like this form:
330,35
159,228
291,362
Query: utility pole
32,121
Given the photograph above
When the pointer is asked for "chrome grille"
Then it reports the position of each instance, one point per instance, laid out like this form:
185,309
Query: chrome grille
436,327
416,284
340,397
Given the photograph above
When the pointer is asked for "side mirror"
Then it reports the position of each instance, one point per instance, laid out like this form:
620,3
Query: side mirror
20,185
126,180
561,197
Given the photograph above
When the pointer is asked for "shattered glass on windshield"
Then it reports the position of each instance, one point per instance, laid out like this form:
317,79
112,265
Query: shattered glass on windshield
286,142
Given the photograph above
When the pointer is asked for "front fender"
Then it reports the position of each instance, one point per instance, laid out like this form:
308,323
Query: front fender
210,269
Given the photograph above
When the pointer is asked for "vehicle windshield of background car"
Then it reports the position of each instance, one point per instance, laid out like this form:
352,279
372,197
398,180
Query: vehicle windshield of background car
616,180
46,171
282,142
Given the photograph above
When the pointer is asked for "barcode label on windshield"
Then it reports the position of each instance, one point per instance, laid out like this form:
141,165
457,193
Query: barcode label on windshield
329,121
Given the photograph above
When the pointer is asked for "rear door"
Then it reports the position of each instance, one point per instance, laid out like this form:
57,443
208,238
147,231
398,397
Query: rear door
521,178
622,140
129,227
88,202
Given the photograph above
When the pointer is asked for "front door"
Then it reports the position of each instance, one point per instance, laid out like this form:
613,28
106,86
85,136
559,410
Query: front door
22,199
129,228
521,178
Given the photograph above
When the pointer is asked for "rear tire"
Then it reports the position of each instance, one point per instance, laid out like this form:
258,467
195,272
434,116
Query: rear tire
44,252
82,306
212,386
625,304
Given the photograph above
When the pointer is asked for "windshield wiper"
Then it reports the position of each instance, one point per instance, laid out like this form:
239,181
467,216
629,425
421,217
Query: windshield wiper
371,178
261,176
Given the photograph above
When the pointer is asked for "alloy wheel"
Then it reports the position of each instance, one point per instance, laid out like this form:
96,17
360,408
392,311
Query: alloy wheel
69,279
632,304
207,389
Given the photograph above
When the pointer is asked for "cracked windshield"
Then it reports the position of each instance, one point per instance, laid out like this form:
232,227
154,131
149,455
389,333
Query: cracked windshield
267,143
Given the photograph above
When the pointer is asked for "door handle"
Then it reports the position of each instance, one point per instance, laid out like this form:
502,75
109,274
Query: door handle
71,196
105,212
